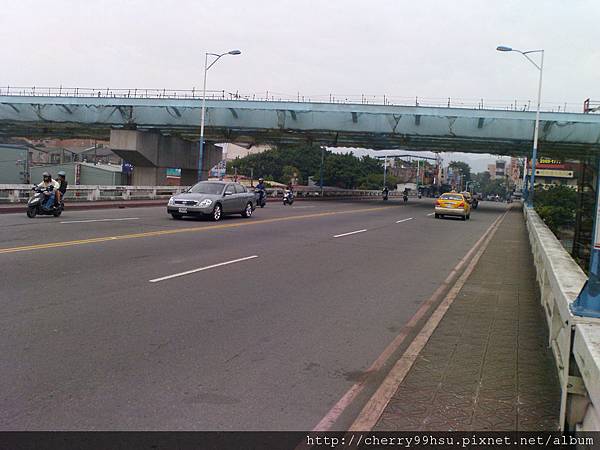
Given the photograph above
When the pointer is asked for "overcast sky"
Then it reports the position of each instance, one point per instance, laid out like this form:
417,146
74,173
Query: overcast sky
425,48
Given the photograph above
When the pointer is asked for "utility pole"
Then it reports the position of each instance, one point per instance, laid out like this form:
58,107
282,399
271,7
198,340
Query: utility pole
384,171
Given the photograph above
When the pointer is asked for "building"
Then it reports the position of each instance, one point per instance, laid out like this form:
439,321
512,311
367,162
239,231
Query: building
514,172
499,169
83,173
550,172
14,164
233,151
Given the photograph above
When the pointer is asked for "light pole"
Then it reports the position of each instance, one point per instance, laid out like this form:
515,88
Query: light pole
321,170
384,171
539,67
203,114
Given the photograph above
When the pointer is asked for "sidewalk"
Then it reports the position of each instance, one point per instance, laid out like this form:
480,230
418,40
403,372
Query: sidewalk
487,365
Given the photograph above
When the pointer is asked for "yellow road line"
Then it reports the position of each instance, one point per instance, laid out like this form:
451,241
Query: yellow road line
175,231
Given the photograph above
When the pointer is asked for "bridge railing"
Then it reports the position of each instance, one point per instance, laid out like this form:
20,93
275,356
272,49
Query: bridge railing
18,193
364,99
574,340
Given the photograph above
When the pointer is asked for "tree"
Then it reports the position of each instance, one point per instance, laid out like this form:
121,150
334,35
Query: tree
340,170
556,206
463,168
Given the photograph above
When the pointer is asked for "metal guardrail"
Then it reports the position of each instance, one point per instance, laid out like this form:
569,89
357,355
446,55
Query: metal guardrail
18,193
370,99
560,280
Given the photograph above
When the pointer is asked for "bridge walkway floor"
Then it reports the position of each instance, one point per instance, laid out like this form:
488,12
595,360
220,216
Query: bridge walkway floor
487,365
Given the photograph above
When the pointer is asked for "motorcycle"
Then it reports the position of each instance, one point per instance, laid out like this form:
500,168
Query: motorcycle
385,195
262,198
35,205
288,197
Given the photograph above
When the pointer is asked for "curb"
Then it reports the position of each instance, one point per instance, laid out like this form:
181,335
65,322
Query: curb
20,208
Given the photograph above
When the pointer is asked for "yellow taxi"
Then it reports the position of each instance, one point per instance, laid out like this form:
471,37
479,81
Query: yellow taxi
452,204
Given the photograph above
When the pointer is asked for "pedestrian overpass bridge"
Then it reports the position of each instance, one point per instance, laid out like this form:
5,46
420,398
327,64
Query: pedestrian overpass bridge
251,122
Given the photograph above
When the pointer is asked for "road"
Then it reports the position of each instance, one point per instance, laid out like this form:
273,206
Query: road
270,342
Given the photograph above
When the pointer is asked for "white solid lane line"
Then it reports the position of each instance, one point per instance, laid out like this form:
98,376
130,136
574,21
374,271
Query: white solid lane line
404,220
175,275
101,220
348,234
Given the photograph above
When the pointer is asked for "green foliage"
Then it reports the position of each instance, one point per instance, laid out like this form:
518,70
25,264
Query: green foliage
339,170
375,181
556,206
487,186
463,168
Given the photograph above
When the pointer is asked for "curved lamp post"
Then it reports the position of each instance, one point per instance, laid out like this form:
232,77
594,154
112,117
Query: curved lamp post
539,67
217,56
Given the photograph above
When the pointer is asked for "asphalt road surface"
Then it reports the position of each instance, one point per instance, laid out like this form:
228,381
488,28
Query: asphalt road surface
106,323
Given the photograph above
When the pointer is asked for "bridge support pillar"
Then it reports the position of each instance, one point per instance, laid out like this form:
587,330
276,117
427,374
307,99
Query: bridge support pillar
152,153
211,157
149,176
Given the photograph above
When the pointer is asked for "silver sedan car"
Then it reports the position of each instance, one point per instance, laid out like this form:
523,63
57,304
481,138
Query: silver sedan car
212,199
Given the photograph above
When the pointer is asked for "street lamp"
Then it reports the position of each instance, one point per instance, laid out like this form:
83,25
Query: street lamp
539,67
206,67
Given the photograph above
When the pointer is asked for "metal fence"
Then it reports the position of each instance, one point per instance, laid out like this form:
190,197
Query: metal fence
19,193
363,99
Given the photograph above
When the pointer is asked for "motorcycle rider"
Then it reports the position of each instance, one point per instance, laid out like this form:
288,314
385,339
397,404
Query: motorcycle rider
261,188
385,192
63,184
289,189
51,187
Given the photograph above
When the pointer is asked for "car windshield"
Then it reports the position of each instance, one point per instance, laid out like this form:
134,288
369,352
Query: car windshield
452,197
207,188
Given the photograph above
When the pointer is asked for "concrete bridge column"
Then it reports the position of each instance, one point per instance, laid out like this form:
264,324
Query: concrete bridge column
152,154
213,154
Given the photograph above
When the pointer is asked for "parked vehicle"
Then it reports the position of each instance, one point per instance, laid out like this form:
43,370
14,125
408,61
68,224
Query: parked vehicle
288,197
36,202
213,199
452,204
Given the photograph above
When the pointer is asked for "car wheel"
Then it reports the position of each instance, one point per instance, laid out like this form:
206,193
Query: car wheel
463,218
437,216
217,213
176,216
248,211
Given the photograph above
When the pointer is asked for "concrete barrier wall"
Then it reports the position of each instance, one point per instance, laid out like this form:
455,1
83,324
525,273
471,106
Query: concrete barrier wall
574,340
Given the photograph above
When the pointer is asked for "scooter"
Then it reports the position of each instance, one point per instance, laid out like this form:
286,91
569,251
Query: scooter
36,202
288,197
262,198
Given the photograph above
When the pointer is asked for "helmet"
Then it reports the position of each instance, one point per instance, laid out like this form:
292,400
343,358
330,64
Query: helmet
46,174
61,173
261,179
